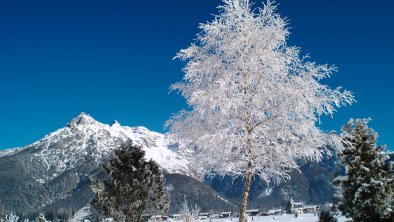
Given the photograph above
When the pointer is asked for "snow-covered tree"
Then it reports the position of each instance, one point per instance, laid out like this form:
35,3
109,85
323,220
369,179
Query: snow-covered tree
326,216
187,214
41,218
368,187
12,217
289,206
135,185
254,102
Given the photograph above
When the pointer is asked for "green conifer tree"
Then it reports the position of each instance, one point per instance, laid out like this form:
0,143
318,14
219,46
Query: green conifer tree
368,185
289,206
325,216
135,185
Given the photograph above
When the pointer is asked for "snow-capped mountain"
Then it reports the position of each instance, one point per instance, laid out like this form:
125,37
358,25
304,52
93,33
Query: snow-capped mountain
84,139
57,170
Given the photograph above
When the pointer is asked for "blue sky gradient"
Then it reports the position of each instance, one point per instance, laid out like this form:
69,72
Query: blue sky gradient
113,60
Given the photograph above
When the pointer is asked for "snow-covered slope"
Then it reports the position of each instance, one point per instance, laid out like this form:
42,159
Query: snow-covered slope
85,139
9,152
57,171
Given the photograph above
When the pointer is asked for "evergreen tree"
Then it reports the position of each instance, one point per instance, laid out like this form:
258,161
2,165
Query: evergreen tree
289,207
188,215
368,186
41,218
135,184
325,216
12,217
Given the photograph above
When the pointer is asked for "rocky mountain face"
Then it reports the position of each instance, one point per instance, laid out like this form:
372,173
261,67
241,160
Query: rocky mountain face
57,171
311,185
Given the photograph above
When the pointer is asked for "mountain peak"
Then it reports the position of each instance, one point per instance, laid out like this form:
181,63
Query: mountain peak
82,119
85,139
115,123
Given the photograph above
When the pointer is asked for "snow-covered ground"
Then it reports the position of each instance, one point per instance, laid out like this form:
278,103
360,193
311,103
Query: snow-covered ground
282,218
80,214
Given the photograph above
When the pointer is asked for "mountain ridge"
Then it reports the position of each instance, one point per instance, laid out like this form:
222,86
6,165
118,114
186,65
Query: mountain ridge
88,131
58,169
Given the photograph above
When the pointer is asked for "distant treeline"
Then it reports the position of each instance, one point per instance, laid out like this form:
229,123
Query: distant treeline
55,215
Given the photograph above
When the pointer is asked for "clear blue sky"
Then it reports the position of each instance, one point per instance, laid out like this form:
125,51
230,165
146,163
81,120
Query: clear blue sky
113,59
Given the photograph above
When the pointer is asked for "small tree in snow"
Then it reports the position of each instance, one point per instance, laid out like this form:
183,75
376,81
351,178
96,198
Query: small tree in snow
254,101
135,185
368,187
10,218
188,215
41,218
289,206
326,216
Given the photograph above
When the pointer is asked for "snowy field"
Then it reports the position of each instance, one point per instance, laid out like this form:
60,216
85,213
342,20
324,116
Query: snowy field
283,218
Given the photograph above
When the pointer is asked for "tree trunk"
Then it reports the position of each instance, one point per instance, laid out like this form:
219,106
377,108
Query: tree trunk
245,195
249,149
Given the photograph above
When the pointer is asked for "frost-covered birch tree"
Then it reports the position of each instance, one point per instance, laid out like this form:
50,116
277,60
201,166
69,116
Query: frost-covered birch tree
254,101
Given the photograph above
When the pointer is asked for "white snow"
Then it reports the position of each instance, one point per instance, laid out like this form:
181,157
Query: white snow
268,191
341,178
81,214
282,218
9,152
156,147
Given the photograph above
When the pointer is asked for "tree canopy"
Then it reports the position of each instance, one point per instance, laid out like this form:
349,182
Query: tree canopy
246,87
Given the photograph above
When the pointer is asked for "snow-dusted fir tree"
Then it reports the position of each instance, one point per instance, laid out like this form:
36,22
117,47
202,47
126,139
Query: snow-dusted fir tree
326,216
188,215
12,217
253,100
135,185
41,218
368,187
289,206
